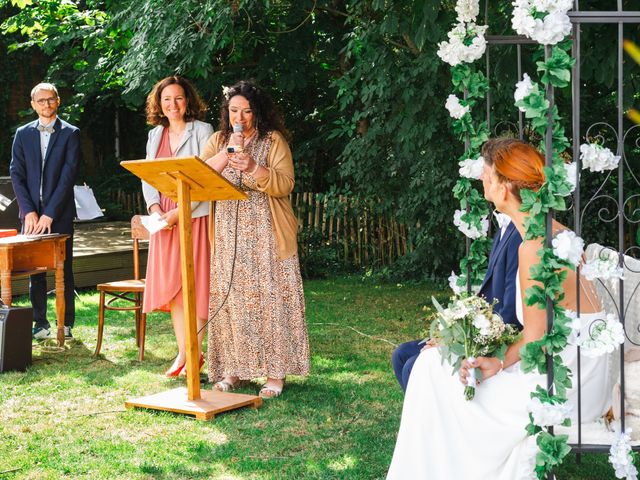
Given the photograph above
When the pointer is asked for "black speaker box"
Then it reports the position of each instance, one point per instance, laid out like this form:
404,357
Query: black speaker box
15,338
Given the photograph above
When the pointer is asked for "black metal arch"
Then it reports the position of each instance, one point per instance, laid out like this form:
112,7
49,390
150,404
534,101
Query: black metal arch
620,201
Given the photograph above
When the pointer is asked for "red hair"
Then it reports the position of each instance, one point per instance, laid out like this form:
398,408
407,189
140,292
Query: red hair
516,163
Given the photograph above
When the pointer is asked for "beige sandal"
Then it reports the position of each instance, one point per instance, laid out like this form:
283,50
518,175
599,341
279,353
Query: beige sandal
224,386
270,391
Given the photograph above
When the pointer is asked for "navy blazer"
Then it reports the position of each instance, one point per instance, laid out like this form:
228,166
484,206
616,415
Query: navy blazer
60,172
500,279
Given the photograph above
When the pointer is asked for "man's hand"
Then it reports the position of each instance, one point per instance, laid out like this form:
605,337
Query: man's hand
30,222
43,225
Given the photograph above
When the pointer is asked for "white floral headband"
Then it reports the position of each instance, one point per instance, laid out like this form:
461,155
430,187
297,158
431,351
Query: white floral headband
227,91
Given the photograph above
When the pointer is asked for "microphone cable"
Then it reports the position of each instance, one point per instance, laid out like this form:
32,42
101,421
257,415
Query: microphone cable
233,261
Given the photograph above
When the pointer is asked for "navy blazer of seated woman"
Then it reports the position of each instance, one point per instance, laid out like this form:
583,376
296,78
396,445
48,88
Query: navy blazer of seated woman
499,283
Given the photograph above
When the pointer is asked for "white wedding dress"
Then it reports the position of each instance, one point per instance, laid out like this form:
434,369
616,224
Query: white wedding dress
445,437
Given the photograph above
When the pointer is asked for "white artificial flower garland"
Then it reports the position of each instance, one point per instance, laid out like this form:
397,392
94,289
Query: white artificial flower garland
466,44
545,21
605,336
549,414
576,327
620,456
467,10
572,178
523,89
568,246
597,158
469,230
456,109
604,267
471,168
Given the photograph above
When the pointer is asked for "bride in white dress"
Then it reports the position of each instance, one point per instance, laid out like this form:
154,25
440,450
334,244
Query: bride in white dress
445,437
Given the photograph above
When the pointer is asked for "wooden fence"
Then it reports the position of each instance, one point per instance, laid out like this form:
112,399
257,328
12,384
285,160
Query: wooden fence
360,235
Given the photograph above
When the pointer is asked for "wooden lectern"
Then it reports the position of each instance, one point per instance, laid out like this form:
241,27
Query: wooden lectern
184,180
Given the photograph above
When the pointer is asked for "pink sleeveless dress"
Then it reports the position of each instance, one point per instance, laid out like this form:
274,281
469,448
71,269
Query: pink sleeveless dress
163,279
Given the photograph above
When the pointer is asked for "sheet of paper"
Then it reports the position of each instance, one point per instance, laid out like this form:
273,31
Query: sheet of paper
87,206
153,222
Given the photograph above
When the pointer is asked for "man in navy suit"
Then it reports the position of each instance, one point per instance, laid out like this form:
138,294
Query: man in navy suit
44,165
499,283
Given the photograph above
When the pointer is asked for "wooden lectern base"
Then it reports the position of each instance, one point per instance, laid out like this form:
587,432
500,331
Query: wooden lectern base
207,407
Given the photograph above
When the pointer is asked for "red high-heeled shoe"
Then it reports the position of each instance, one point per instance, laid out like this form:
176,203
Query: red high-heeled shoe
175,372
183,372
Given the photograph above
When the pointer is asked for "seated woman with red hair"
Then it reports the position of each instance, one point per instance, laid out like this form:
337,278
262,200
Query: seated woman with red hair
443,436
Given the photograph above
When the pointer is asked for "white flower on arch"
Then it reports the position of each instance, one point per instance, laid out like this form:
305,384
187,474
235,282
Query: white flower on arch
545,21
470,168
456,109
523,89
568,246
597,158
468,229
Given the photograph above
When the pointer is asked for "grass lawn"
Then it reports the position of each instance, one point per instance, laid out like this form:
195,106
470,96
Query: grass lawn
65,417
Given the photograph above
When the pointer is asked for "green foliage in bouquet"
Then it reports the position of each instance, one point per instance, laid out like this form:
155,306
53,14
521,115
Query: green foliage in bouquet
469,328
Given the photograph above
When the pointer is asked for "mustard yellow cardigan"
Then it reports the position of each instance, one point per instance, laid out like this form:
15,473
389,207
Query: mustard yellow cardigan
277,182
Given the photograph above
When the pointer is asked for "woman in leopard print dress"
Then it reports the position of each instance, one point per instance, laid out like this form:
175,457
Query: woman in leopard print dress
257,324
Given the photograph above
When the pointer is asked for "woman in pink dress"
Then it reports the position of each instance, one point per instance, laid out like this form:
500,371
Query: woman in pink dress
174,108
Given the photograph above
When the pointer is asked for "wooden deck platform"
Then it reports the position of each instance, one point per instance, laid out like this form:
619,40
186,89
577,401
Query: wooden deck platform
102,252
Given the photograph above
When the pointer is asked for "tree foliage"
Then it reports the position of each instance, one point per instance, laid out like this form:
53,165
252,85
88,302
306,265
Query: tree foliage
359,83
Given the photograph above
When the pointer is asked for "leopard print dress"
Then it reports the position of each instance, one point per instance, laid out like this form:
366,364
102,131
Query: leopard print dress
260,330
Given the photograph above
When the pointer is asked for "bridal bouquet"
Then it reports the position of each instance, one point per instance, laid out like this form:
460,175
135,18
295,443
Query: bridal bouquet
468,328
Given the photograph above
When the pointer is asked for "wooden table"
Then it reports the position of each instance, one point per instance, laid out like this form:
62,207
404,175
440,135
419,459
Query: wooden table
21,255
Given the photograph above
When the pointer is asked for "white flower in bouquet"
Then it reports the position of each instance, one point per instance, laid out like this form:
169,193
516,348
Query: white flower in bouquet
468,328
467,10
568,246
597,158
571,169
469,230
456,109
620,455
523,89
453,283
548,414
471,168
482,323
604,266
604,337
459,310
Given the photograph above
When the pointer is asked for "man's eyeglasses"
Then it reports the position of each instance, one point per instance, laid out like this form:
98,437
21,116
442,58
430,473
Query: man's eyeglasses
47,101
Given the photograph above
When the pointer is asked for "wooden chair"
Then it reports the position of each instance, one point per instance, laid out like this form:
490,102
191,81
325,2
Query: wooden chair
131,291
